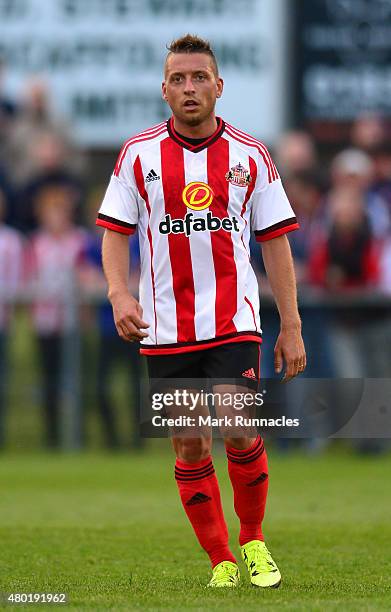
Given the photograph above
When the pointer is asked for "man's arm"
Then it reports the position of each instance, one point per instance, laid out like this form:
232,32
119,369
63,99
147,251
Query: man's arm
126,309
289,347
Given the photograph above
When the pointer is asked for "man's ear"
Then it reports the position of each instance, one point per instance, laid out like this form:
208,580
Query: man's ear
220,87
164,93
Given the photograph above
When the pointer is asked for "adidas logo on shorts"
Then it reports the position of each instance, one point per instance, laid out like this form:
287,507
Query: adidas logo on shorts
250,374
152,176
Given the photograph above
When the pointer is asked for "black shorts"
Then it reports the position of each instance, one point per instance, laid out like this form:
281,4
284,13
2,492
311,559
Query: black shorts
237,363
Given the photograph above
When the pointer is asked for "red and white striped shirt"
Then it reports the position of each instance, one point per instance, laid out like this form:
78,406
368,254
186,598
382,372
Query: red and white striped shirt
194,206
52,266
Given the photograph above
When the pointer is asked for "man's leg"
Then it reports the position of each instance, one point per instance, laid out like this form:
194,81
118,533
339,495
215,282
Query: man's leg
200,496
248,472
235,376
247,459
234,371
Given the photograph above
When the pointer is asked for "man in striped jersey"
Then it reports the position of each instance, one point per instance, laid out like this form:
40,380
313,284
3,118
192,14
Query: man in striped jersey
195,187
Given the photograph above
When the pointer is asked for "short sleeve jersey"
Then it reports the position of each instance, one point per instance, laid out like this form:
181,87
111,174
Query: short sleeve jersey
194,207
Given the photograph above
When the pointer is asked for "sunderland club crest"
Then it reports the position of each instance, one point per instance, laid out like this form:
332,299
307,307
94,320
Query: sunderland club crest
239,175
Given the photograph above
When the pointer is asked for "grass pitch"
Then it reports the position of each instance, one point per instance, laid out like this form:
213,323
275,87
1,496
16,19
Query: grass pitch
110,532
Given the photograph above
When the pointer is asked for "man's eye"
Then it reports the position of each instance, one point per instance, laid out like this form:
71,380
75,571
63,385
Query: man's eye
177,79
200,77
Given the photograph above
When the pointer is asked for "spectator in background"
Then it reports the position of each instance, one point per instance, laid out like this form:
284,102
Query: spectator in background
35,127
111,349
367,132
50,153
54,257
346,261
371,134
41,152
295,153
347,256
354,169
11,257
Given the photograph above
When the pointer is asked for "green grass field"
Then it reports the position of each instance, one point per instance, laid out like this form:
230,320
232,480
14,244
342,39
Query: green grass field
110,532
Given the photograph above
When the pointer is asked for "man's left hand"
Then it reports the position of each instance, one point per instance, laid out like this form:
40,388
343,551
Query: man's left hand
290,350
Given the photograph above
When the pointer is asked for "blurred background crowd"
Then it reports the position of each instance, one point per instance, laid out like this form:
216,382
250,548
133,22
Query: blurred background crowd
50,269
59,349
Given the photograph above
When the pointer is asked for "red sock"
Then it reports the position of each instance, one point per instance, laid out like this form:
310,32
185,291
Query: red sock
249,477
200,495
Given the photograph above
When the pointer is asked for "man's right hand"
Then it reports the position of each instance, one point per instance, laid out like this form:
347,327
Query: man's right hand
128,317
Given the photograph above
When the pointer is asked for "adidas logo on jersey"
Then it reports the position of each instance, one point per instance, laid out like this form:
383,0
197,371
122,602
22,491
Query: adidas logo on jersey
197,224
152,176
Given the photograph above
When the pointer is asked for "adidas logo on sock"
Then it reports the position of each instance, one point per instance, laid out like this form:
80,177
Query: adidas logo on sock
152,176
258,480
249,374
198,498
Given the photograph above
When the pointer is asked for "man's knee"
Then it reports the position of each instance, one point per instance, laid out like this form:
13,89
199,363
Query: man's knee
192,449
240,443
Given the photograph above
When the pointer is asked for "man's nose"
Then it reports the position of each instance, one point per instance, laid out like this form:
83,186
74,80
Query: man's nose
189,85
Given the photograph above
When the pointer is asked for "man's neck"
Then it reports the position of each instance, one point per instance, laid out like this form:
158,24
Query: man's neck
205,129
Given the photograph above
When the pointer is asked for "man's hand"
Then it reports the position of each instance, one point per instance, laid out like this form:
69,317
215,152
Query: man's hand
128,317
290,349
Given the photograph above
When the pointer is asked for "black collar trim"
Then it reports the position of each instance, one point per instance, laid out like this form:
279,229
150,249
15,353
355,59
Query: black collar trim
204,144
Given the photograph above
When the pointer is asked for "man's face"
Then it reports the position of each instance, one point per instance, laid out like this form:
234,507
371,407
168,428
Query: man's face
55,208
191,86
